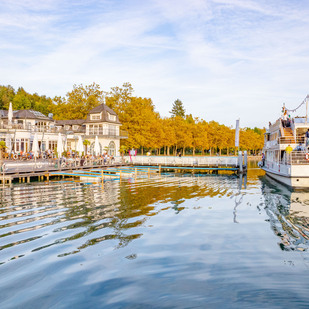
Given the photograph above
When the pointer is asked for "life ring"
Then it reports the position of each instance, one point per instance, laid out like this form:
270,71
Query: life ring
15,156
307,156
44,157
3,168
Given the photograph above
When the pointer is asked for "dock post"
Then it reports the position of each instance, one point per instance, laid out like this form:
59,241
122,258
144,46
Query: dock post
245,160
28,179
120,174
159,169
239,162
102,178
148,172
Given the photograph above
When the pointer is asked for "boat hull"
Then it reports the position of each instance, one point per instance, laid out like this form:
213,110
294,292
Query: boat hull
294,181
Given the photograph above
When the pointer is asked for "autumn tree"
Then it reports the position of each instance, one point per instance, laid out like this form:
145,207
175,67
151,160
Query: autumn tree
119,98
78,102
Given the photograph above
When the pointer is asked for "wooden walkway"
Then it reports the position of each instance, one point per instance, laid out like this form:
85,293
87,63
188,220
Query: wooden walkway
136,167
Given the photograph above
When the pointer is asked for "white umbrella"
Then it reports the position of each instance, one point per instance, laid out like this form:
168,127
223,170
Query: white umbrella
59,145
35,145
47,144
80,145
96,146
8,143
10,113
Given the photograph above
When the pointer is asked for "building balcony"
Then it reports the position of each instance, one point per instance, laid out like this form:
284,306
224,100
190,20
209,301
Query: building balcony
107,134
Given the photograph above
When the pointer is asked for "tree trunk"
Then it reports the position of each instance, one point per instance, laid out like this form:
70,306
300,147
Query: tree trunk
183,151
193,151
168,150
142,151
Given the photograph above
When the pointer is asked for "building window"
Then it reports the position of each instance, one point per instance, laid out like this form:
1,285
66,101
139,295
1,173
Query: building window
111,117
95,116
112,149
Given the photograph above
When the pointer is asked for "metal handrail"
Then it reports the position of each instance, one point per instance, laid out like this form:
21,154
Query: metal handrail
291,140
296,158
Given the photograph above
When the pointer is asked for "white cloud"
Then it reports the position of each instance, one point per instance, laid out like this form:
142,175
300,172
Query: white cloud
223,59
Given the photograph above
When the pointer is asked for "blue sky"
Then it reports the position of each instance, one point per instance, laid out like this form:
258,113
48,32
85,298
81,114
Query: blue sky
224,59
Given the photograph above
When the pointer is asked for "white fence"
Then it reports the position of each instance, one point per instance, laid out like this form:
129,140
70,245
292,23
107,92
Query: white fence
182,161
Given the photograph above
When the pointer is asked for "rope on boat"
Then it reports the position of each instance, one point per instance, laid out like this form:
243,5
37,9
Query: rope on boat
295,109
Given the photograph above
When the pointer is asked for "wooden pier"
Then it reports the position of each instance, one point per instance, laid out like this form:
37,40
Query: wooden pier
136,167
25,171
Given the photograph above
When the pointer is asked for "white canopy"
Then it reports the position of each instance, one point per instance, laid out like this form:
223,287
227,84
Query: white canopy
96,148
80,145
59,145
47,144
10,113
35,145
8,143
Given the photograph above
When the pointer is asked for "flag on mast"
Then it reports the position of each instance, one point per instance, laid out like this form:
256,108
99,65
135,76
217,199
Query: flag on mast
237,134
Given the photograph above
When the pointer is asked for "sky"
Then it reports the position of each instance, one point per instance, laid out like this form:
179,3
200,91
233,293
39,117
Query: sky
224,59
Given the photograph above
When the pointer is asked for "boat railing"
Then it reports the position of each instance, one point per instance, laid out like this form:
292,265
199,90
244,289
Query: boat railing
300,139
286,140
296,158
291,140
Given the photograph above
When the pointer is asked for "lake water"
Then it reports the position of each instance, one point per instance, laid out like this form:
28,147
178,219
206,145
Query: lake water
165,242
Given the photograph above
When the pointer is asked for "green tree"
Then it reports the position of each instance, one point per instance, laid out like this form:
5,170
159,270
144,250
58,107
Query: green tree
7,94
86,143
2,149
178,109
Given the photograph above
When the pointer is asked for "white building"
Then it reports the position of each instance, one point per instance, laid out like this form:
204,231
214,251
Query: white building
101,121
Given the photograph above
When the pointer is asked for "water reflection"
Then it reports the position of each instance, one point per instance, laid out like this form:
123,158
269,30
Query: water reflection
74,215
288,213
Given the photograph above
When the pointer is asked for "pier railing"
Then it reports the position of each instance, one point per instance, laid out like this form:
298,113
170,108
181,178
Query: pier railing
183,161
20,167
35,167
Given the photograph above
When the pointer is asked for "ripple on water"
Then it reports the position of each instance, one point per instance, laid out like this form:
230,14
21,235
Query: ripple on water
158,242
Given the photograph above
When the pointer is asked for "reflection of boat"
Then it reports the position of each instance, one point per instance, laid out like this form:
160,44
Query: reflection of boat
287,165
288,213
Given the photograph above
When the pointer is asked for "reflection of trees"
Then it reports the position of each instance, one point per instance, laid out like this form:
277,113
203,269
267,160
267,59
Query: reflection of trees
287,221
127,205
92,214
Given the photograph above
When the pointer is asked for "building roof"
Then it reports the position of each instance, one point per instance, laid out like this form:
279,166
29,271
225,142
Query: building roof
100,108
69,122
105,110
24,114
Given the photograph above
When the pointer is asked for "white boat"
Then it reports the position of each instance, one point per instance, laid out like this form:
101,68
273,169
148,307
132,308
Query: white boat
291,168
